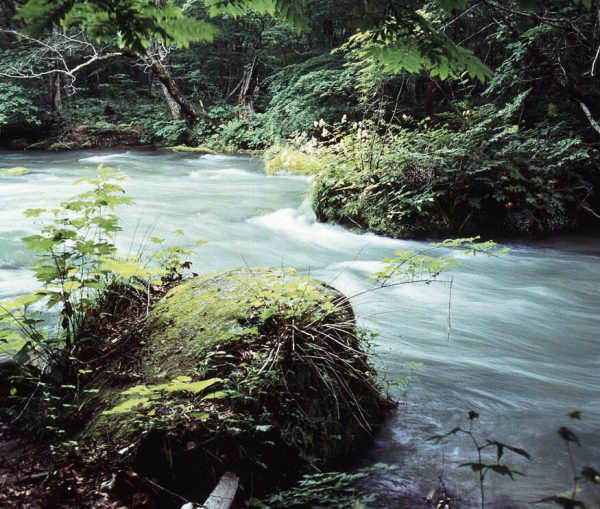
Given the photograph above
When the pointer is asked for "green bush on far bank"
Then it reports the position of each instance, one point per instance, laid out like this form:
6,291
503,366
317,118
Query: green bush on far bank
482,171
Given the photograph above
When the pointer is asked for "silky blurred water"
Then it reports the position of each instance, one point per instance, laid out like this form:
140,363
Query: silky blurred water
523,350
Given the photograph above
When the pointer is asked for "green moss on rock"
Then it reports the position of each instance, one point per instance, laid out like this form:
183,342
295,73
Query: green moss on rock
18,170
258,371
185,148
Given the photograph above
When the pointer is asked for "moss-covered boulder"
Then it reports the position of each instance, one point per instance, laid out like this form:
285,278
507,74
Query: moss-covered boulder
256,371
17,170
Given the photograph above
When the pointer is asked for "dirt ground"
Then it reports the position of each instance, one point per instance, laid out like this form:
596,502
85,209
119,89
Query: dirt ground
32,477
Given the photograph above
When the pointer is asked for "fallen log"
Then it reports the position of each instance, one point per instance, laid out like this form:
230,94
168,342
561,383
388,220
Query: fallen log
222,496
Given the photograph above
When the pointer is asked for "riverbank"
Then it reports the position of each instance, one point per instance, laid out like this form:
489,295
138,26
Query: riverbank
31,476
332,204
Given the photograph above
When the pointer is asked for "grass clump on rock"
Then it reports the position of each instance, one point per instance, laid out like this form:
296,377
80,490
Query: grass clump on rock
257,371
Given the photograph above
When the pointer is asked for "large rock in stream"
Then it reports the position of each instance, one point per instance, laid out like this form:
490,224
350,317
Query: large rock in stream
258,371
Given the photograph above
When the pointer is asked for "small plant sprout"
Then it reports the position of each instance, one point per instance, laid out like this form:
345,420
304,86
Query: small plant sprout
481,466
581,475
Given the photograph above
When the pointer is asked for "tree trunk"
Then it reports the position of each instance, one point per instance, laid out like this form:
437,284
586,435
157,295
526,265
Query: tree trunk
154,62
160,91
248,89
187,110
56,82
159,53
55,92
178,104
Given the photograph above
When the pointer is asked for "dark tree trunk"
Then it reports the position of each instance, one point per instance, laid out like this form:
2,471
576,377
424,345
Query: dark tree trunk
160,71
159,90
55,92
248,88
188,112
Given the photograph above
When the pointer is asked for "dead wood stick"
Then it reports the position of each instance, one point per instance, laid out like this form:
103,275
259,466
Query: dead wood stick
223,495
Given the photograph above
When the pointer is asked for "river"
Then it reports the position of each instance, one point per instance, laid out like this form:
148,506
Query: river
523,350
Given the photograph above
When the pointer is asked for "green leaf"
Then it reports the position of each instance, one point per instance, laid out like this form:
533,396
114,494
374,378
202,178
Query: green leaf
216,395
70,286
34,212
200,416
194,387
128,406
131,23
268,313
263,428
124,269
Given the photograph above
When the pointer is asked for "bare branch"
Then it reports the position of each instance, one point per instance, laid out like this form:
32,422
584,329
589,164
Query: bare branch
593,71
55,52
588,115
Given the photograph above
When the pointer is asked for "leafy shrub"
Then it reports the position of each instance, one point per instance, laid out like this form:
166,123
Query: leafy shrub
170,132
235,134
17,105
291,159
492,173
231,132
46,383
77,263
319,88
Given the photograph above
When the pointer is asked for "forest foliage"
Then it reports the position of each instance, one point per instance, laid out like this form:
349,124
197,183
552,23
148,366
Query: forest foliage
475,115
436,117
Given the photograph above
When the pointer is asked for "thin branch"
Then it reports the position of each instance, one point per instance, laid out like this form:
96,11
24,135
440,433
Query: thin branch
593,71
464,13
55,50
588,115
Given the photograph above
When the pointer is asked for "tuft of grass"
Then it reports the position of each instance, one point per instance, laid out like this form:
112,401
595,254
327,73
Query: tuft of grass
291,161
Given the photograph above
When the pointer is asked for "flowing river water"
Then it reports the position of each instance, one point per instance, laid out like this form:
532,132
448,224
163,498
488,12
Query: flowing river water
524,346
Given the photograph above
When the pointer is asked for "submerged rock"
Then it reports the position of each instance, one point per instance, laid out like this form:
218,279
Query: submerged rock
18,144
18,170
259,371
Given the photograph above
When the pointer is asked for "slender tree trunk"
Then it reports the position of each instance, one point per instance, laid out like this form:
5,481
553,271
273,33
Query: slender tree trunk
248,88
172,93
55,92
187,110
56,83
159,89
250,81
178,104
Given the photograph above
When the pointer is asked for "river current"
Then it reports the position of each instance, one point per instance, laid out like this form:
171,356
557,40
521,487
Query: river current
523,349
